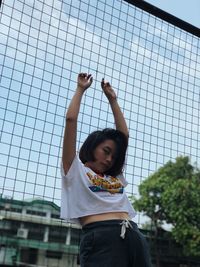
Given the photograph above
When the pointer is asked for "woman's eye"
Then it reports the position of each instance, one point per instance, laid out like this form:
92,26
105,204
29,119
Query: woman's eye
106,151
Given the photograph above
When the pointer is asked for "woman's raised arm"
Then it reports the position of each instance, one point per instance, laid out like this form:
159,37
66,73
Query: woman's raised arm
117,113
69,143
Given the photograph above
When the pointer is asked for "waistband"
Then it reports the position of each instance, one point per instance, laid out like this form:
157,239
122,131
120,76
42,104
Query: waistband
116,222
122,224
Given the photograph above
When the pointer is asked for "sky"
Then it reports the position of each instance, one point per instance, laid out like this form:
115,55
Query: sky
186,10
43,51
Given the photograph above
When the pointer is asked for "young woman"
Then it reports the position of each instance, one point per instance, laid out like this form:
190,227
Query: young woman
93,189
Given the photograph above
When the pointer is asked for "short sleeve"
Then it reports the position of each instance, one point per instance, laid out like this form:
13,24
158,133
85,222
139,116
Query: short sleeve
122,179
72,170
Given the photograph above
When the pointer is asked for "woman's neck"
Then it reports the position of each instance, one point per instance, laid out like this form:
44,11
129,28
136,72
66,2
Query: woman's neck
87,164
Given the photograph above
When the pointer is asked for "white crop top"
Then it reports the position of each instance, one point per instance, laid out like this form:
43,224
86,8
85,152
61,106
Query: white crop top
86,193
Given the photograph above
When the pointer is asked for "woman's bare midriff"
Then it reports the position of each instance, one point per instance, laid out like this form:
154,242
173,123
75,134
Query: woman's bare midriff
104,217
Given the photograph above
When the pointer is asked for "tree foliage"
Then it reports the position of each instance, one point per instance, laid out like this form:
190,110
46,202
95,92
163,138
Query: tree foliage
172,195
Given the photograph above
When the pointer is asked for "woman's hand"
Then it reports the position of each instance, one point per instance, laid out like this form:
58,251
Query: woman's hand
108,91
84,81
117,113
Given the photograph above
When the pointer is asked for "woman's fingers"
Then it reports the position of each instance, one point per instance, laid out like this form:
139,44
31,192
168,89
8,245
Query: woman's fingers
104,84
85,80
84,74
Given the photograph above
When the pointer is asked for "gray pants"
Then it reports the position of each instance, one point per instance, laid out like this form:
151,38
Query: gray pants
113,243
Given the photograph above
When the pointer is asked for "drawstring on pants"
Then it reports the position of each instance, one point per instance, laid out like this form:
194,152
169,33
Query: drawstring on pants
125,224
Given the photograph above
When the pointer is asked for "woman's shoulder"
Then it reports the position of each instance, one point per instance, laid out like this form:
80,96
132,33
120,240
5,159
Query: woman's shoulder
76,166
122,178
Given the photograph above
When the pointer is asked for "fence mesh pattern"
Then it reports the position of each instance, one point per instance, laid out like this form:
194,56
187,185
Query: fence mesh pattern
153,65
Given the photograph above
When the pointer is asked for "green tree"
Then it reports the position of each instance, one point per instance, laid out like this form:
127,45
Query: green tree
172,195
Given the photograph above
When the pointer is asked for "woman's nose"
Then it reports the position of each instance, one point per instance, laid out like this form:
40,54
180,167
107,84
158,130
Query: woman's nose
109,158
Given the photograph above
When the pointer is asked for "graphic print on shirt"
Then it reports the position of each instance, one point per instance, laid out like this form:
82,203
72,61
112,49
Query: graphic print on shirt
109,184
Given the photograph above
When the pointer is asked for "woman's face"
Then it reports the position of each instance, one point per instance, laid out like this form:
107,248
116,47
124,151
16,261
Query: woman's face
104,155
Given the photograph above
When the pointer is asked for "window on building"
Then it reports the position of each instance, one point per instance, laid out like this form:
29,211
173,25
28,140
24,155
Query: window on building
29,255
75,236
57,234
54,254
35,231
55,216
9,228
36,212
14,209
8,207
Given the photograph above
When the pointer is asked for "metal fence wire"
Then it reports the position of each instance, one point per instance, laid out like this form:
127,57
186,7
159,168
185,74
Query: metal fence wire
153,64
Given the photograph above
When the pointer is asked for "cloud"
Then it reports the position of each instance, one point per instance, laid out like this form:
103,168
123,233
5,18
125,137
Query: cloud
42,34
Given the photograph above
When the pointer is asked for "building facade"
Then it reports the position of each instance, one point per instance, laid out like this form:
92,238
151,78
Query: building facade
32,234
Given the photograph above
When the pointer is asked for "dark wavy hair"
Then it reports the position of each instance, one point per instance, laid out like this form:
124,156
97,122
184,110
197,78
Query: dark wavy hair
86,153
